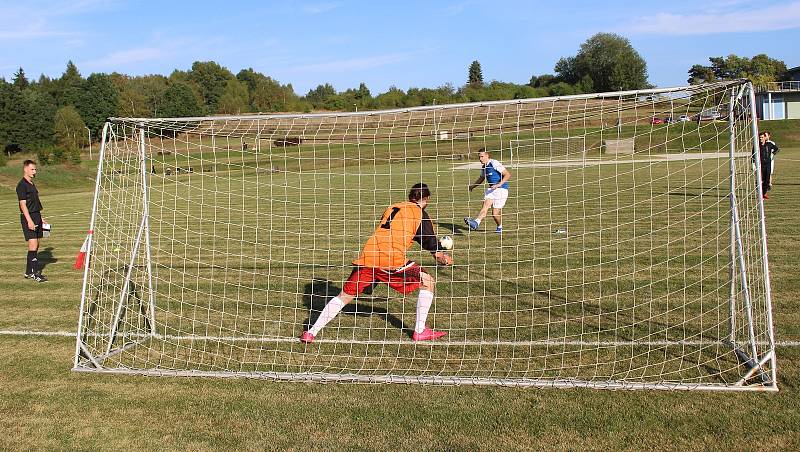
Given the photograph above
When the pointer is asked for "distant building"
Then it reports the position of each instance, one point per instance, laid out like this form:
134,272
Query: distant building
780,100
794,74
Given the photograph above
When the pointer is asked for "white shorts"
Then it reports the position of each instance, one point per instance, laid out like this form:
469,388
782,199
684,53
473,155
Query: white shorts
499,196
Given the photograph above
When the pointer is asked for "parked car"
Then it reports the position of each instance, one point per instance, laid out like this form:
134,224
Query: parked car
684,118
669,120
656,121
709,115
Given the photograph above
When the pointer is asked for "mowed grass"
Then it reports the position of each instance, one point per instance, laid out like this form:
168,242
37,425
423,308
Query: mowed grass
44,405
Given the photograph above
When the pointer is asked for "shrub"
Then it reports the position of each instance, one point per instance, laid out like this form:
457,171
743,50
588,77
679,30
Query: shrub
56,155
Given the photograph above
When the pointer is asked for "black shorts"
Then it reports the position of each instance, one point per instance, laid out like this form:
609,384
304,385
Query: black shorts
37,218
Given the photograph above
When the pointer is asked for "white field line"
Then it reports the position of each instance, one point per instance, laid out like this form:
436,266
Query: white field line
80,212
394,342
656,158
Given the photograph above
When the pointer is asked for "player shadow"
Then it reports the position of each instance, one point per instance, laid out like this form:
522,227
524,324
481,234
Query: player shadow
456,229
45,257
319,291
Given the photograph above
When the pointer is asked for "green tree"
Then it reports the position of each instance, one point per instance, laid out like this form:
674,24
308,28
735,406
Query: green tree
69,86
130,101
764,69
609,60
585,85
6,102
567,70
180,101
393,98
234,99
152,87
323,96
20,81
211,78
267,94
26,118
46,86
98,101
542,81
502,90
561,89
69,128
363,95
701,74
475,76
139,97
759,69
250,77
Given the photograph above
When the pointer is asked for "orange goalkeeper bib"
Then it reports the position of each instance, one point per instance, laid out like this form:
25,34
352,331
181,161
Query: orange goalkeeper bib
392,238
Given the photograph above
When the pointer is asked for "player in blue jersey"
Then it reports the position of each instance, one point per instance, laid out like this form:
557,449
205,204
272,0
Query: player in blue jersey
497,176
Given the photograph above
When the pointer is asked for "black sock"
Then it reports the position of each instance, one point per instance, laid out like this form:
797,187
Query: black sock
31,268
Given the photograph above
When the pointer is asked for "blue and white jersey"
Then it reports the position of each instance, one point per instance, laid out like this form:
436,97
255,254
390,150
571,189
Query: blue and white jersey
493,172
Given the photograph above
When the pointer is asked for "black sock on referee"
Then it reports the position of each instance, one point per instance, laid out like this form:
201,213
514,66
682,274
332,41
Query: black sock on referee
31,268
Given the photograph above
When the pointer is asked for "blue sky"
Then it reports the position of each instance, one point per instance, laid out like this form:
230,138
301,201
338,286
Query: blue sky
406,44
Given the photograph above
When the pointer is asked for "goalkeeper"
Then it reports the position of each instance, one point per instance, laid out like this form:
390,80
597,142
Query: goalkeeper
383,259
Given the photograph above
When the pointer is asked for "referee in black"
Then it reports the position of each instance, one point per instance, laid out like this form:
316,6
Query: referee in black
31,218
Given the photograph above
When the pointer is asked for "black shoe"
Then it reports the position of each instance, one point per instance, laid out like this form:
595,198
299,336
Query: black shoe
38,277
28,275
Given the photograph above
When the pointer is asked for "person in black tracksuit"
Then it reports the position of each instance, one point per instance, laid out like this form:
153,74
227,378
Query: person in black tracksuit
765,151
774,151
30,208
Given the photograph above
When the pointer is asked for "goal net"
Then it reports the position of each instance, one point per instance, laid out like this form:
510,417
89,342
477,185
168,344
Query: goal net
217,241
543,149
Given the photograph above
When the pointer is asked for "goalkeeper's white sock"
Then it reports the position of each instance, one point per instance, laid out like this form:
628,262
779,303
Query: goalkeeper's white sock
328,313
423,306
478,220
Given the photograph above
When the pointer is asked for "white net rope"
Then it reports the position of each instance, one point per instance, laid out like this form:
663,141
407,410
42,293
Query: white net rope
218,241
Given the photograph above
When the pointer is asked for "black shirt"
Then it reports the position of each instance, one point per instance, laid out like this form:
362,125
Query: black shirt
767,151
425,235
773,148
27,192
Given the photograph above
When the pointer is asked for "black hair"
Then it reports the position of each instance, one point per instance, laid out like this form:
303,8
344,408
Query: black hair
28,162
419,191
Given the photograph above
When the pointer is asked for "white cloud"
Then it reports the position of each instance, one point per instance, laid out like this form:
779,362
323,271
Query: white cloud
457,8
115,60
25,21
771,18
39,28
319,8
355,64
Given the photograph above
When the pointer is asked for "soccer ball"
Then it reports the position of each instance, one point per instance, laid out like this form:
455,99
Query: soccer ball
446,242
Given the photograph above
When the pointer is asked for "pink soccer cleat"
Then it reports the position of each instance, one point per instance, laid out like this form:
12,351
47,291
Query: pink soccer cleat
307,337
427,335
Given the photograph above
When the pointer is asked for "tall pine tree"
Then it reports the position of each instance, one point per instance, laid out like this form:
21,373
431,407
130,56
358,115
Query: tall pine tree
475,77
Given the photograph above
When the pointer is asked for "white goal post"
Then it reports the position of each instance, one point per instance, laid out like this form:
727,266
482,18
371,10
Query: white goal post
217,241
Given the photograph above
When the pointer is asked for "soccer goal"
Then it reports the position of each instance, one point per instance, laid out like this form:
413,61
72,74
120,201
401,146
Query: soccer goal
216,241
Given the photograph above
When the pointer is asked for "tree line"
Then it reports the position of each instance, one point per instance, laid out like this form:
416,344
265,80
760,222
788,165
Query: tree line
56,117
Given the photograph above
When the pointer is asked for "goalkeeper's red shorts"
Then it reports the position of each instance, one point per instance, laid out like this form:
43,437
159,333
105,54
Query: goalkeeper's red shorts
405,279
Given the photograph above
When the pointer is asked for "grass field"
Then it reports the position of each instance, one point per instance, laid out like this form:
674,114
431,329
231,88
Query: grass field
44,405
